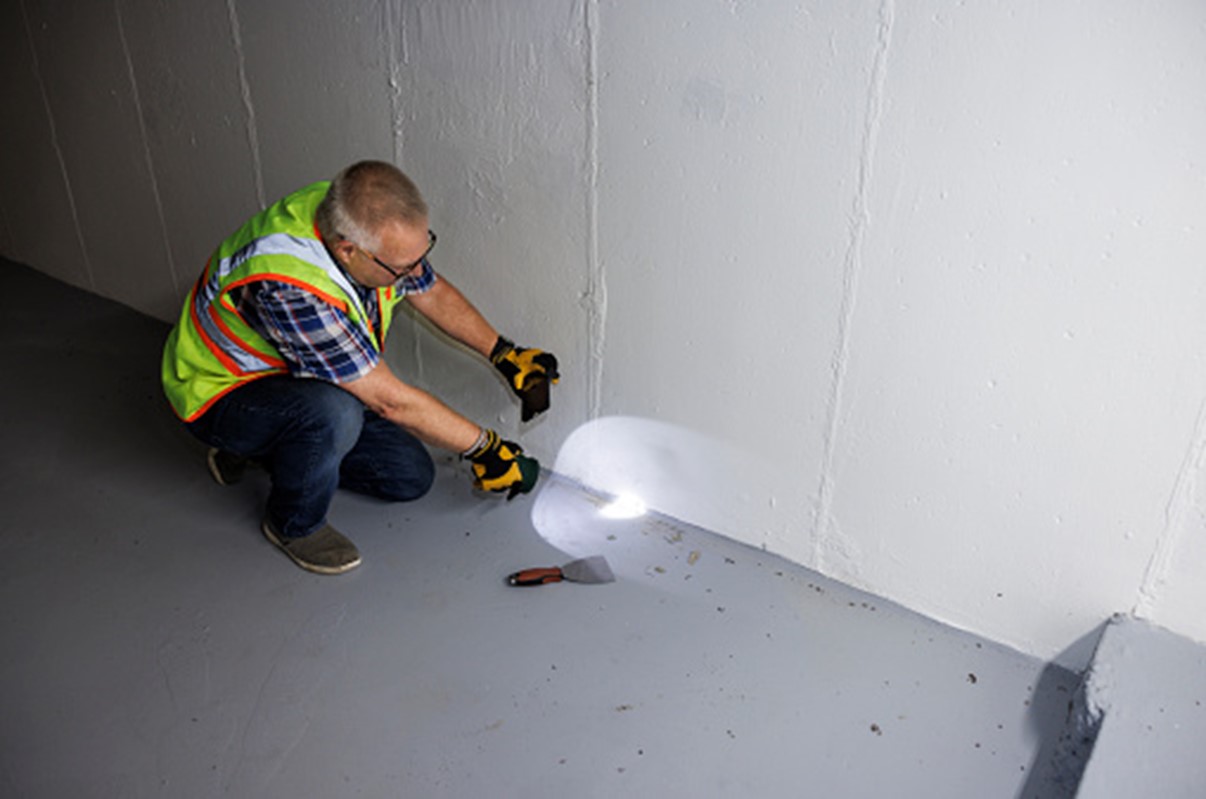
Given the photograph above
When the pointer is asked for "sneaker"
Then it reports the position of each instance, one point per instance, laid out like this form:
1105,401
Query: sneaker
324,551
226,467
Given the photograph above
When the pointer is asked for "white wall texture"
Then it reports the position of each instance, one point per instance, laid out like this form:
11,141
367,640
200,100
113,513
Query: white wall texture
931,274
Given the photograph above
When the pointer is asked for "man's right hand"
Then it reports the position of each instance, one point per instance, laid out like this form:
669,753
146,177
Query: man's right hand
500,465
528,373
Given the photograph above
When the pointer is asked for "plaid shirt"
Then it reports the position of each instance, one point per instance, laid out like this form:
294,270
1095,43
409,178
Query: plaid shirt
315,338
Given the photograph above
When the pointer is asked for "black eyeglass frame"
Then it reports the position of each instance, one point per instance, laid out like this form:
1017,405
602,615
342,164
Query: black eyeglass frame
399,274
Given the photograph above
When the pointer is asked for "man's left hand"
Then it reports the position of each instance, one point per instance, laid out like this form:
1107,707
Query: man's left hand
500,465
528,372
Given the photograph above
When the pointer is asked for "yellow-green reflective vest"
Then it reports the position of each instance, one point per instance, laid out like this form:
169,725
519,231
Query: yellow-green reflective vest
212,350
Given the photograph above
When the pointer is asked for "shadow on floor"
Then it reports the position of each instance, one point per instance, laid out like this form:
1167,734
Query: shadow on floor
1064,748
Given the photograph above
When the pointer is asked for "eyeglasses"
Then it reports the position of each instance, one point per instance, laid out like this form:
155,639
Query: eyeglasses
406,270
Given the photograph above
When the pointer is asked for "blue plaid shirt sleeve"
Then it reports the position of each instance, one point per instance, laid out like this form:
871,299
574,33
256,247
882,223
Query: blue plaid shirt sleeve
315,338
417,284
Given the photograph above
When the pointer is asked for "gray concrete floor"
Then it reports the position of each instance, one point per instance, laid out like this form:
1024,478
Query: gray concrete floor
154,644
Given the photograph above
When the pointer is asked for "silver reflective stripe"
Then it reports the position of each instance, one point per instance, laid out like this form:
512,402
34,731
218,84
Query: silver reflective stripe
309,250
246,361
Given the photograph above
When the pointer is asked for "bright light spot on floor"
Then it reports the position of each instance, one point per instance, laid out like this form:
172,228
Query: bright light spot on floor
625,506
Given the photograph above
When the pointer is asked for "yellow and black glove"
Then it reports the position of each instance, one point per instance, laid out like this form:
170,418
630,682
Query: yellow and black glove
528,372
500,465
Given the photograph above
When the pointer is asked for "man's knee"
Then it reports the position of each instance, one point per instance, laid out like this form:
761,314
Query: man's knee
411,482
332,414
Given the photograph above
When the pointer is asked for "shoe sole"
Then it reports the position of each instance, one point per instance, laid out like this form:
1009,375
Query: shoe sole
310,567
211,460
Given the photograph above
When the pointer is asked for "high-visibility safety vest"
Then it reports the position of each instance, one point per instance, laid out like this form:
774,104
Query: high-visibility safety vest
212,350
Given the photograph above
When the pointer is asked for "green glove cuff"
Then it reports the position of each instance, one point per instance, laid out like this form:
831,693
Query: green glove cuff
529,470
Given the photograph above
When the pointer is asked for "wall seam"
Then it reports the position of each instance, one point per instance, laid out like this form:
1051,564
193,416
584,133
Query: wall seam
1180,503
146,148
253,136
596,288
395,33
58,151
851,271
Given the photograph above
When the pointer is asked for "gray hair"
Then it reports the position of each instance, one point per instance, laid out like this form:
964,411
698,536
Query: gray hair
363,198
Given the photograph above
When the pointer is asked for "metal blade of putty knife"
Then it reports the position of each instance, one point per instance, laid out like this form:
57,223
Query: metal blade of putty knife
589,570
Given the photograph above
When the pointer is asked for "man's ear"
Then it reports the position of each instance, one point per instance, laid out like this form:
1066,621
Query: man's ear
343,249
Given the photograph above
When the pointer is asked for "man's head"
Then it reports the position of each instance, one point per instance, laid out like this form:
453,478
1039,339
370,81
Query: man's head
374,221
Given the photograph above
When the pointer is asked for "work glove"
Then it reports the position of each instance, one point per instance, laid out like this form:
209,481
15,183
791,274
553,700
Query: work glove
500,465
528,372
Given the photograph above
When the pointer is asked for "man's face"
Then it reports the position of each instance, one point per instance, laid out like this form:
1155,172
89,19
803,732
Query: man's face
403,247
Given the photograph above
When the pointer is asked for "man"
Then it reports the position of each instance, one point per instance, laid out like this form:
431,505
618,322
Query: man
276,358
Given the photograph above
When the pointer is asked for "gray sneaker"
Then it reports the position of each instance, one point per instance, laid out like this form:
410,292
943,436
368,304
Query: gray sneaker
226,467
324,551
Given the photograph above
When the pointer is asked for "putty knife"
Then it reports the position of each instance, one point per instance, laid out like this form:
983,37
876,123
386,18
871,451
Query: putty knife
587,570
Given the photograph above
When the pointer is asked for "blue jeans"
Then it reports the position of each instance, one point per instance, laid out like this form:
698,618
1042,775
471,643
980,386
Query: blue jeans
314,437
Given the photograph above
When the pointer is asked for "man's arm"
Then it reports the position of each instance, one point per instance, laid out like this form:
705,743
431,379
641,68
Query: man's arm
319,342
527,371
498,465
449,310
413,409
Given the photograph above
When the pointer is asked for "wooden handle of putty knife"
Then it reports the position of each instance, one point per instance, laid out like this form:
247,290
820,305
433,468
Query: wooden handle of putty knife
536,576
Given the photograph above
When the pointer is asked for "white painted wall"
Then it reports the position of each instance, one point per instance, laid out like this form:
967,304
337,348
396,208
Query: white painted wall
1027,347
930,275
